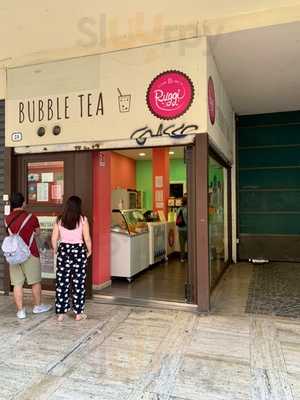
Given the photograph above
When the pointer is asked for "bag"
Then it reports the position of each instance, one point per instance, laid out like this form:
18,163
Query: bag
14,248
180,220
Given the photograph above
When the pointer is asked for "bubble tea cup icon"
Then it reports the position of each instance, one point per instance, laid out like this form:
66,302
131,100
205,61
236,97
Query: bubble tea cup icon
124,102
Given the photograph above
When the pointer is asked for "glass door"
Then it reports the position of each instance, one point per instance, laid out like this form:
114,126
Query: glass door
46,181
218,220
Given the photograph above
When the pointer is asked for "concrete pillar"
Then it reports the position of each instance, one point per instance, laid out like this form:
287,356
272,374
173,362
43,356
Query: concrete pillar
101,217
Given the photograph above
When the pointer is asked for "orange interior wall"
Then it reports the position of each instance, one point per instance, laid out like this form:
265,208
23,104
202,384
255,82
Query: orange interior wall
123,172
160,168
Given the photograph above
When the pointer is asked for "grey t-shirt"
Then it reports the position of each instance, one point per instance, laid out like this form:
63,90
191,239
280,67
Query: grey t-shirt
185,217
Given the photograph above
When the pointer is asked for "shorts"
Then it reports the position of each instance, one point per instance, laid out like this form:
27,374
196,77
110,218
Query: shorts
30,270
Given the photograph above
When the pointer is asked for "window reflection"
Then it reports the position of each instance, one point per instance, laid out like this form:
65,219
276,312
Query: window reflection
218,235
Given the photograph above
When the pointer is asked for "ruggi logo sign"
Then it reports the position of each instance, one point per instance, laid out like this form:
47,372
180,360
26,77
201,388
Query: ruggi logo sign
170,94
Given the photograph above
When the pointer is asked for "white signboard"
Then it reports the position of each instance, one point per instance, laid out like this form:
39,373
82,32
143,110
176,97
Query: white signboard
112,97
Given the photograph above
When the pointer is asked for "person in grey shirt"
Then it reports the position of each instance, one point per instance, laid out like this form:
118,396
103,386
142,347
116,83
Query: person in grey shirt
181,222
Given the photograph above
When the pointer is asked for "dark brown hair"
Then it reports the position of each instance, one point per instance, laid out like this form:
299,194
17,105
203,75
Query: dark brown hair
72,213
184,199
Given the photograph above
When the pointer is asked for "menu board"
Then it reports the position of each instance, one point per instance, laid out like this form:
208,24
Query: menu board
48,259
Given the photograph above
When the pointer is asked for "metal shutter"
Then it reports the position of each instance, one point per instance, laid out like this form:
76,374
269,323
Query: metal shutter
269,186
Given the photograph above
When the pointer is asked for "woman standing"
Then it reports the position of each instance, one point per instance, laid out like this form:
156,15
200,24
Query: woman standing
72,231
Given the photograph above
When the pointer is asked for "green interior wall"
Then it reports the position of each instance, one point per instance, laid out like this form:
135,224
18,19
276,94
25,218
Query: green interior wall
177,170
144,177
269,174
144,181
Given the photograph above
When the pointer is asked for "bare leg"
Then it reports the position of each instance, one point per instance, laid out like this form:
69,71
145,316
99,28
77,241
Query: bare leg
36,293
18,296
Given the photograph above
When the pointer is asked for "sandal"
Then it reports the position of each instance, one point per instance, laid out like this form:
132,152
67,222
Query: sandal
80,317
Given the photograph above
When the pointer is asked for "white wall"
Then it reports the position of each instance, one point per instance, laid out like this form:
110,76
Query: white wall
34,32
130,70
2,83
221,133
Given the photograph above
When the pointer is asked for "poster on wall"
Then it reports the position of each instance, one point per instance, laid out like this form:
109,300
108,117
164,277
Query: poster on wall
42,192
45,182
48,260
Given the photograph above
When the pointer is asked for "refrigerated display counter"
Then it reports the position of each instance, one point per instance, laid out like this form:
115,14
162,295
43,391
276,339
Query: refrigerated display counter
157,242
129,243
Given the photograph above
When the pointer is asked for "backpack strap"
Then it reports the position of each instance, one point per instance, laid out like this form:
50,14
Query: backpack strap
24,223
12,221
31,240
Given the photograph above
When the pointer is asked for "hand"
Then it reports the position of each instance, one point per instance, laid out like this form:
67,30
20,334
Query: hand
89,253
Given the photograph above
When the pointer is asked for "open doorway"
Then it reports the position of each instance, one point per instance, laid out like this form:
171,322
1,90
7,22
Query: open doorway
148,232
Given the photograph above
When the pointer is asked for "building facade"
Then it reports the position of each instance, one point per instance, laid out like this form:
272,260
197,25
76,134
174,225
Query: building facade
129,86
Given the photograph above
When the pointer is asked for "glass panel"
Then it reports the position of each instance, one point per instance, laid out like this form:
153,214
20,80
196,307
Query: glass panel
48,260
118,223
45,182
218,227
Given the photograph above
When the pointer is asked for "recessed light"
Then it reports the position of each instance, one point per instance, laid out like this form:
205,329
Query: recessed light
142,154
171,153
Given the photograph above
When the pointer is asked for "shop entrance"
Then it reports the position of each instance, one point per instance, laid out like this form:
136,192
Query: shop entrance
132,199
47,180
147,201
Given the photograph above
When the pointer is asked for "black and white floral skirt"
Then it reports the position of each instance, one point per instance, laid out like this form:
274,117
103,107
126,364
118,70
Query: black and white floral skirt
70,278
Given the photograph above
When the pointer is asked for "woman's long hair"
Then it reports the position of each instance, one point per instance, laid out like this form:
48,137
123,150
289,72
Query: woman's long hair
70,218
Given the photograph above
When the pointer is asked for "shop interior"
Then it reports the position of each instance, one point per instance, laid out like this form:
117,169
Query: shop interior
147,190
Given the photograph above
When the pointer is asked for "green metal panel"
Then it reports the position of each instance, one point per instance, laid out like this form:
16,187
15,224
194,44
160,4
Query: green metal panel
269,174
270,224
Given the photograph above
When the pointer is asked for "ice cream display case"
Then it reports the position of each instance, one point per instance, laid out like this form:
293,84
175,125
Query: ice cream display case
129,243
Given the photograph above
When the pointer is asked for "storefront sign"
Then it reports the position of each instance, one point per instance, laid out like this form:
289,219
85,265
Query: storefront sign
60,108
90,102
170,95
211,100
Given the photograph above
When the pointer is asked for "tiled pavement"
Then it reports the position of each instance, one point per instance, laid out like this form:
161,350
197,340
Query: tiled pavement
275,290
129,353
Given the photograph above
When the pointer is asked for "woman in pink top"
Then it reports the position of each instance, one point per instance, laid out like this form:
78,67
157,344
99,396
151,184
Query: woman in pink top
72,232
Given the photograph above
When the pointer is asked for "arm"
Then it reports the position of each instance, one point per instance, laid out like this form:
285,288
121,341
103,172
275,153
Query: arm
55,237
87,237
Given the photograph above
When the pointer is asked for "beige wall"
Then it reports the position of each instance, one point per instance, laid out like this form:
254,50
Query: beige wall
34,32
2,83
131,71
222,131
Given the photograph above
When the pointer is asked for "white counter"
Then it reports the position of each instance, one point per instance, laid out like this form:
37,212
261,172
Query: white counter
129,254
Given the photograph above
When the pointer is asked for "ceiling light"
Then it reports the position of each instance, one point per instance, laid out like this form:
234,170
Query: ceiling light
171,153
142,154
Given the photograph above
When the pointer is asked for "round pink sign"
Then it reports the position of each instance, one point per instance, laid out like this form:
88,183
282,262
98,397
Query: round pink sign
211,100
170,94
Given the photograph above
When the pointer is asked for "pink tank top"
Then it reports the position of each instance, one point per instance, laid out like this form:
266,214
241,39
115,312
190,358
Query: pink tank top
72,236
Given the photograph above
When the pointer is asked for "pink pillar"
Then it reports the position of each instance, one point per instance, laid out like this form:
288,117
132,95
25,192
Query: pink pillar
161,180
101,217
